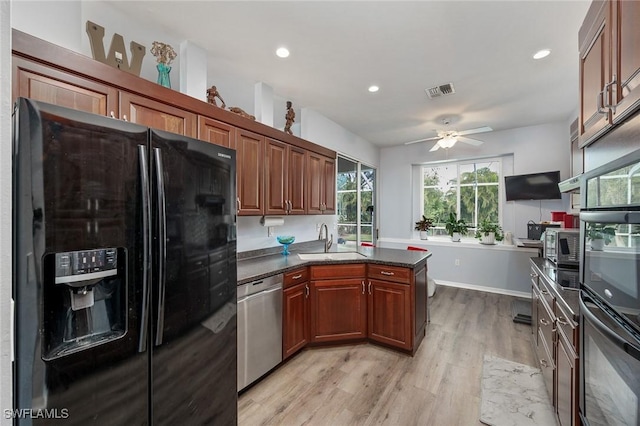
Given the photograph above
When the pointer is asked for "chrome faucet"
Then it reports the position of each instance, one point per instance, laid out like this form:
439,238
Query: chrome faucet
327,242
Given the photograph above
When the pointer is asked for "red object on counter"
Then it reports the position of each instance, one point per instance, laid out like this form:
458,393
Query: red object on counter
557,216
570,221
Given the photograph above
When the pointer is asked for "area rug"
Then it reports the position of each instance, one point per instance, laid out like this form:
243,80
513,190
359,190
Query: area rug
513,394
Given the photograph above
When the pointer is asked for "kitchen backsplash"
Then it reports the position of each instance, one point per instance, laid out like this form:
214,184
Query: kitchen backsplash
253,236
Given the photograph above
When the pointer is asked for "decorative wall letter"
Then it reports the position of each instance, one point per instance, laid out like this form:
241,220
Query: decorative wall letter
117,53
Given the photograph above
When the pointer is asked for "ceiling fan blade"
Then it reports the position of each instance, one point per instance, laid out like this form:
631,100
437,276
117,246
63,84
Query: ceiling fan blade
435,147
476,130
470,141
422,140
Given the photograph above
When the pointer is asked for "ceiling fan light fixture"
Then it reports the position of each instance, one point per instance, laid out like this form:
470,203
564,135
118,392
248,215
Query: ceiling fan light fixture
448,141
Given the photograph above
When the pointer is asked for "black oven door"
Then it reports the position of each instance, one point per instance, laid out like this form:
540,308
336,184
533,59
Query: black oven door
610,373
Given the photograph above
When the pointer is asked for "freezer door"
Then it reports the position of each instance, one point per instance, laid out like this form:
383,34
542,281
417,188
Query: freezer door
79,268
194,297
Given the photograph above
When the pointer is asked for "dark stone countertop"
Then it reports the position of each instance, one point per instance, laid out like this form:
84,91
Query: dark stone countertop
250,269
568,299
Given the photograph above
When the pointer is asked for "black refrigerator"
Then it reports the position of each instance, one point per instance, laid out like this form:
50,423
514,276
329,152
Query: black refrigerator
124,278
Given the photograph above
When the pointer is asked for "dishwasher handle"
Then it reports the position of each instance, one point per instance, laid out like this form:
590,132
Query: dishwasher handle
261,293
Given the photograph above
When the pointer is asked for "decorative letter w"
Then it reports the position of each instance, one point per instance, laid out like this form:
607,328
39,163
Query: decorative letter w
117,54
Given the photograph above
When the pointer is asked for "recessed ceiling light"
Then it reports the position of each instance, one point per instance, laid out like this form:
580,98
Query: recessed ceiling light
373,89
282,52
541,54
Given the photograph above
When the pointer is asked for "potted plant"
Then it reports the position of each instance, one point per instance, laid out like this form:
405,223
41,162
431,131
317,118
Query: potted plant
489,232
456,227
600,235
423,225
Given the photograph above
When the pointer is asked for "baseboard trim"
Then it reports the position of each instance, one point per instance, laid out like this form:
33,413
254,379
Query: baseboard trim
504,291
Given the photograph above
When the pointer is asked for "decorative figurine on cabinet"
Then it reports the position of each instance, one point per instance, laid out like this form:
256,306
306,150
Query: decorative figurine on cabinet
164,54
290,117
212,94
242,113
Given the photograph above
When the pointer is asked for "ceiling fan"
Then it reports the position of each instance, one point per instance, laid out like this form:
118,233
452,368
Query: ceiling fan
448,138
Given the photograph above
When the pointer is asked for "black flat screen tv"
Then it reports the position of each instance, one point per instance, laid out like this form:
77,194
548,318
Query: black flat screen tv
534,186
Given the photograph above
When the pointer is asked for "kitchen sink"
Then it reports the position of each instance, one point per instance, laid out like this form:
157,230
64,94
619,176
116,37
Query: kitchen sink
348,255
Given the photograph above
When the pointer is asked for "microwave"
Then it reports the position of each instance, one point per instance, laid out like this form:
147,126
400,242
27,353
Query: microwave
562,247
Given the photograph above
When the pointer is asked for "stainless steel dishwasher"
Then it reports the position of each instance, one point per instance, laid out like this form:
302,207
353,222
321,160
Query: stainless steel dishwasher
259,328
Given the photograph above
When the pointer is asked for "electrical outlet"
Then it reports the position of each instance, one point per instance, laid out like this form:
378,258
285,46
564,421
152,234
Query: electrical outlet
457,262
270,231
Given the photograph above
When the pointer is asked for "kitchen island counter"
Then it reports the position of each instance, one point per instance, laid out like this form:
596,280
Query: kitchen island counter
255,268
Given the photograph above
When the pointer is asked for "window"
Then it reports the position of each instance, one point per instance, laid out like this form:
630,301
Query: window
356,198
469,189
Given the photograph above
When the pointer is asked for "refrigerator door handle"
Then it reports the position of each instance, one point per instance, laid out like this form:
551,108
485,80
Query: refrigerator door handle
146,240
162,239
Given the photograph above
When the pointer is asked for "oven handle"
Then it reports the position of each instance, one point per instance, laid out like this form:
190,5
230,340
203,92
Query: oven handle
618,217
629,348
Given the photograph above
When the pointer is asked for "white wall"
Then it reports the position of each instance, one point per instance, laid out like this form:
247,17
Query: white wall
5,210
535,149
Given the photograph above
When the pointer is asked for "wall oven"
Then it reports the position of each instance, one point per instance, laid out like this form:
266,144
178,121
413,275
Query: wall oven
610,294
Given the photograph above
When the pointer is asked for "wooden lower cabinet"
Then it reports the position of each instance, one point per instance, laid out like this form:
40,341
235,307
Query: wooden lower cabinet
566,381
389,307
295,319
338,310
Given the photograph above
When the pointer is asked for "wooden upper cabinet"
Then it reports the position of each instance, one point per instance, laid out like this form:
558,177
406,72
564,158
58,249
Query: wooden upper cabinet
594,40
250,172
276,178
285,178
157,115
609,41
626,57
216,132
41,83
297,180
321,184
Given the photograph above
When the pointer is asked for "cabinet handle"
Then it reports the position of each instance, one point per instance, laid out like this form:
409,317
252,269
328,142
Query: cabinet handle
238,204
369,287
124,117
362,286
296,277
607,88
533,275
306,291
544,322
562,321
600,103
289,206
544,291
112,114
387,273
544,363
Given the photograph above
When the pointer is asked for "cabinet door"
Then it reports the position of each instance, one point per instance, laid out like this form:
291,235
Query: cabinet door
566,382
338,310
626,57
38,82
389,307
216,132
594,73
250,169
276,184
295,319
157,115
315,167
421,305
297,180
329,186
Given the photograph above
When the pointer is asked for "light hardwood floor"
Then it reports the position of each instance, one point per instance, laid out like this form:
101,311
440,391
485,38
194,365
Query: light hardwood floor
367,384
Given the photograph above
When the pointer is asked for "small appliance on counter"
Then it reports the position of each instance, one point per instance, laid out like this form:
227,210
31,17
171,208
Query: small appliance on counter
535,230
562,247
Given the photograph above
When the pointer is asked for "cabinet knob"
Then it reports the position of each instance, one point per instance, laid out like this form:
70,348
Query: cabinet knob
562,321
533,275
544,363
124,117
112,114
544,322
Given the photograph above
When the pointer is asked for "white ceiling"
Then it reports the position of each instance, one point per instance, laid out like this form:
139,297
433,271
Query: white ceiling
338,49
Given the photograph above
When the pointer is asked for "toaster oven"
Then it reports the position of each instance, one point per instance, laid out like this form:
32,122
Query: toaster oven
562,247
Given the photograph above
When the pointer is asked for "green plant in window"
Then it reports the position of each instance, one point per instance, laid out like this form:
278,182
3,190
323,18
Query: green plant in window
486,227
597,231
455,225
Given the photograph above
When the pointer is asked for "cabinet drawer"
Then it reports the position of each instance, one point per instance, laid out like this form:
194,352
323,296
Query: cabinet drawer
546,295
545,324
321,272
390,273
296,277
568,327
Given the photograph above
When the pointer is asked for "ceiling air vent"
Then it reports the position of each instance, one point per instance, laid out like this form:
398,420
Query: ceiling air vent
442,90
